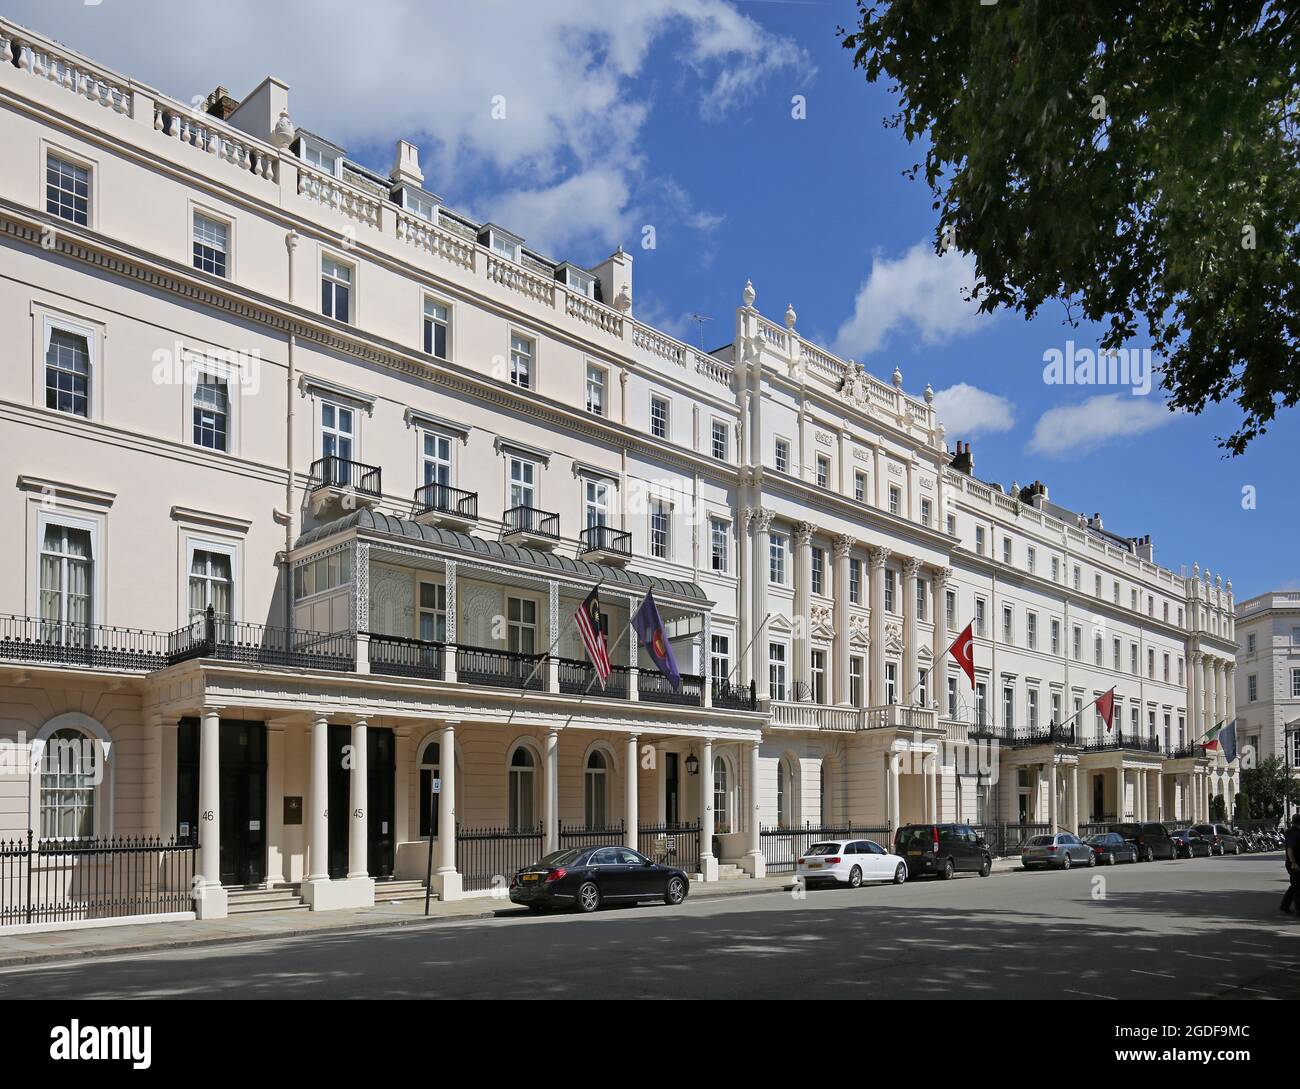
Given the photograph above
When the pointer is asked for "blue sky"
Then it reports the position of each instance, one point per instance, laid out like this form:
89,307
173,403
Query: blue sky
678,114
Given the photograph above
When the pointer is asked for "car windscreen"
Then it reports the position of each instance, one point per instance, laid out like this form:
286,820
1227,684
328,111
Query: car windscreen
823,849
1041,841
1100,837
560,858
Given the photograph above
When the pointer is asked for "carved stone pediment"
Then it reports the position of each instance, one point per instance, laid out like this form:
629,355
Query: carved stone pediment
893,638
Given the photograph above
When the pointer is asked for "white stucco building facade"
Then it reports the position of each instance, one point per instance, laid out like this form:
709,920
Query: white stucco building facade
1268,680
308,473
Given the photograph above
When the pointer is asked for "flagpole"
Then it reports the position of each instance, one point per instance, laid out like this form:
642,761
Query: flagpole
1081,710
929,669
741,657
555,643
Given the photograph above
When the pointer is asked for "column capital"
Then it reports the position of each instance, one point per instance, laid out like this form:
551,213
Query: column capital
879,557
211,709
911,567
942,575
758,519
803,533
843,545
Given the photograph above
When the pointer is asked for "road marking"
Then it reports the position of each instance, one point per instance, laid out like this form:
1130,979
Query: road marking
1089,994
1162,975
1206,956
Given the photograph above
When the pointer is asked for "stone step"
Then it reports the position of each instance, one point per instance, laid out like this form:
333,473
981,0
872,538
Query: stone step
280,898
386,892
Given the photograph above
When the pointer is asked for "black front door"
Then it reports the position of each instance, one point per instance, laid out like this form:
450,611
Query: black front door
340,738
242,801
671,811
1098,797
381,770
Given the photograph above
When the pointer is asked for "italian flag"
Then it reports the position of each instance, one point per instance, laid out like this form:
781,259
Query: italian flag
1211,738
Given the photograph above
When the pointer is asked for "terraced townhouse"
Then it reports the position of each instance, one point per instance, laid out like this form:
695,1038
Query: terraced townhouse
308,473
1268,688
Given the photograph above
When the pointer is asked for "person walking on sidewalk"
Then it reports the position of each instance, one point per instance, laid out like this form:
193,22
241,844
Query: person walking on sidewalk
1292,844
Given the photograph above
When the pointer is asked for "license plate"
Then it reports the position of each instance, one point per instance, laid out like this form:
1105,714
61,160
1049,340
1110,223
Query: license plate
914,854
814,865
532,877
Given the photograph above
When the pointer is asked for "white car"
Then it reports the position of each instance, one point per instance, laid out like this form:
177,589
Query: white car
849,862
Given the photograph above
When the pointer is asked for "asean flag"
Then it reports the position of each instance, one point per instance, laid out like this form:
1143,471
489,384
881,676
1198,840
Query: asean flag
1106,707
963,649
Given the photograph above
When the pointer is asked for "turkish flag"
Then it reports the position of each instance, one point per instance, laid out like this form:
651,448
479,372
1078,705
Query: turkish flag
963,649
1106,707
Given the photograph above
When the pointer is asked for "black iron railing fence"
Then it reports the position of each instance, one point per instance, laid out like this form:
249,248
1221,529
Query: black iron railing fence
578,677
605,539
93,646
395,656
581,836
444,499
500,668
46,881
488,857
1007,839
782,847
671,844
210,636
734,697
540,523
336,472
653,687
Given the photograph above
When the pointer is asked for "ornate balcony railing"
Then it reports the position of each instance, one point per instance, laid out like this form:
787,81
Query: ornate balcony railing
653,687
734,697
1119,741
605,539
444,499
210,636
91,646
395,656
337,472
578,677
538,523
500,668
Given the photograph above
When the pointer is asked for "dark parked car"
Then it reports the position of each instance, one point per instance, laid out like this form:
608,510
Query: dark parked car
943,849
587,877
1111,847
1187,844
1222,839
1151,838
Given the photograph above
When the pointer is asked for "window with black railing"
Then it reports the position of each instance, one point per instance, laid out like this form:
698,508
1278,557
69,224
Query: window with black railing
339,472
735,697
539,523
394,656
444,499
606,539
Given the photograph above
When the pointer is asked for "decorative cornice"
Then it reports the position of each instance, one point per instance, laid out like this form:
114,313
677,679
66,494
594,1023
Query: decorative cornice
192,516
413,417
311,384
91,497
501,445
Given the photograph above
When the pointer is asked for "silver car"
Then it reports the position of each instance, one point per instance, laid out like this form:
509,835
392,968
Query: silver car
1062,850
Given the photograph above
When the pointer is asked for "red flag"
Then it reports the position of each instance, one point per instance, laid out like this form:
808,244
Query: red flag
1106,707
963,649
593,635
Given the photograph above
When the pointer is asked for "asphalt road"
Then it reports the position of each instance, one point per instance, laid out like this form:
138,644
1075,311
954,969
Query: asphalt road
1207,928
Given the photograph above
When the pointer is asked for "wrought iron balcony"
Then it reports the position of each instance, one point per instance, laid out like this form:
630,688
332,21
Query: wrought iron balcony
734,697
342,482
578,677
500,668
210,636
536,527
88,646
395,656
653,687
1119,741
441,503
605,543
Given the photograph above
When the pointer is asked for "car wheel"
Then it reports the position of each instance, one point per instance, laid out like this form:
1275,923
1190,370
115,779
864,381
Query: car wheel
855,877
1092,861
948,870
1110,858
986,867
1151,854
1066,863
675,893
900,874
588,897
1237,850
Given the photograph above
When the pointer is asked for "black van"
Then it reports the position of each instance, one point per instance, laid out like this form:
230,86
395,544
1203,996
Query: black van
943,849
1151,838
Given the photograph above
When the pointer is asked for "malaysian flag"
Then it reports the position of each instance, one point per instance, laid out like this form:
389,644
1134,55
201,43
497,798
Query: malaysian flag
593,634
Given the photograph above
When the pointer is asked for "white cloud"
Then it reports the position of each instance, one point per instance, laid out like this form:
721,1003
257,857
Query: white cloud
966,411
571,73
919,292
1076,429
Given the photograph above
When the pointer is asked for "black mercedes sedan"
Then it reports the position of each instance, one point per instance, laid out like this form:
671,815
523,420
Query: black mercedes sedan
587,877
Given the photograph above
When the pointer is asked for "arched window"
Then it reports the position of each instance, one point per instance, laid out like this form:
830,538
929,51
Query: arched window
430,769
68,779
597,790
523,810
783,798
721,797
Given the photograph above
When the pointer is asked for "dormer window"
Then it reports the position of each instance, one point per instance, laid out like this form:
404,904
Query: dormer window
576,279
417,202
326,158
500,242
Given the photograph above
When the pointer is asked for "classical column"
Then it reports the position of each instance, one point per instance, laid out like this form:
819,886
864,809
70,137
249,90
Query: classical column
631,792
842,545
879,557
1074,798
1221,687
1211,694
167,743
551,812
1051,794
932,786
893,769
446,880
757,865
938,614
1196,693
803,534
759,525
210,897
1119,793
318,828
911,575
708,863
358,804
1230,691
